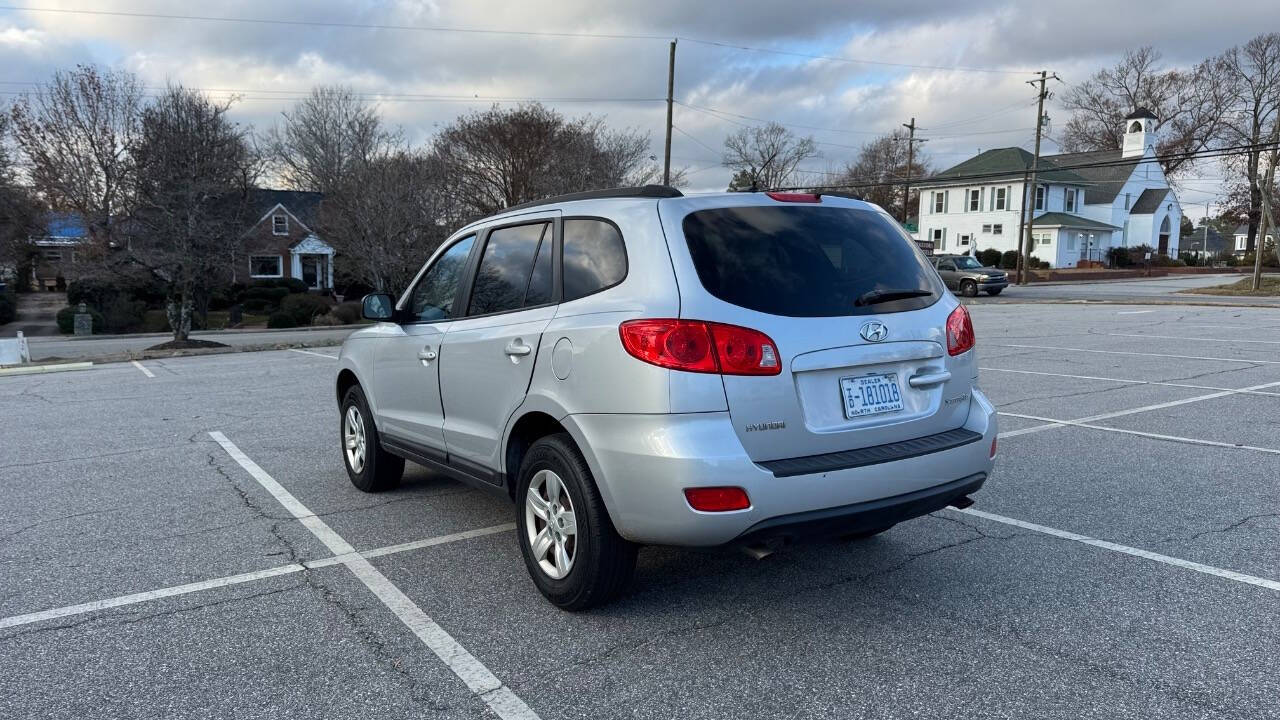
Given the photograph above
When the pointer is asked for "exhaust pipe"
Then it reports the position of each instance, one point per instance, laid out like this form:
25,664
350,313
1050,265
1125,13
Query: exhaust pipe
759,551
961,502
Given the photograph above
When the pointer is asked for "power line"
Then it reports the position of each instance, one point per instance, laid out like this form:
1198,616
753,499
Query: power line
488,31
696,140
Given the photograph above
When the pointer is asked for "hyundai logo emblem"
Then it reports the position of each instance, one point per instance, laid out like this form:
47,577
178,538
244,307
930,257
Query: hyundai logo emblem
874,331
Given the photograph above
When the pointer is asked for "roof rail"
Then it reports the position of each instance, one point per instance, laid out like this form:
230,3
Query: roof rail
643,191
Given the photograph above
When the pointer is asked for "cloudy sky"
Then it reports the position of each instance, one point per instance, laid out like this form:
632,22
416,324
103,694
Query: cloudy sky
958,67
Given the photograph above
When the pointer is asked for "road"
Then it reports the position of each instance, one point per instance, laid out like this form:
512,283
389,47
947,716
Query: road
1166,289
69,348
151,569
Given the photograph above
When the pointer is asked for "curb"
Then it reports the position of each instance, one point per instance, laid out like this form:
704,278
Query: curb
164,354
39,369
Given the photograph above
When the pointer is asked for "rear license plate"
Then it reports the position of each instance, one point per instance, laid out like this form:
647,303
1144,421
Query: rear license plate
870,395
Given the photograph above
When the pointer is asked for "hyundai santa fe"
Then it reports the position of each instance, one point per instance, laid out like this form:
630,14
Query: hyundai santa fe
636,367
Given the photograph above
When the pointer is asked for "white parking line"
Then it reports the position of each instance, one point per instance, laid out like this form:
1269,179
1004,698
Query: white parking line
1130,382
1157,436
308,352
188,588
1142,354
144,370
471,671
1116,547
1197,339
1134,312
1121,413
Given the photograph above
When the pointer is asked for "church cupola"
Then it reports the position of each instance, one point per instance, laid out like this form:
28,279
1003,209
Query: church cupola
1139,132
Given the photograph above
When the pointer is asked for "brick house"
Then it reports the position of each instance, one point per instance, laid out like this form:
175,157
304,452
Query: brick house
281,243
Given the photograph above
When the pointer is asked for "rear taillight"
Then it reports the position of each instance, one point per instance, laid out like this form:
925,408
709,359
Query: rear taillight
959,331
697,346
795,197
717,499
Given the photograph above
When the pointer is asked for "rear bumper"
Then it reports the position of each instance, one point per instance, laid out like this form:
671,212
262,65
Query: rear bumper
642,463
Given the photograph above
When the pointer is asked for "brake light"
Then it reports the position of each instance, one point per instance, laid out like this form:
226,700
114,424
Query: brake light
795,197
717,499
959,331
697,346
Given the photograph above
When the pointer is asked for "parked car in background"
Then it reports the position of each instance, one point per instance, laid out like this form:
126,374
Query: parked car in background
637,367
965,275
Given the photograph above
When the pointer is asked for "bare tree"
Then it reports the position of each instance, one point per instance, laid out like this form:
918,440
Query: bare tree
502,157
325,138
768,154
1252,71
76,133
194,170
880,168
19,213
1188,103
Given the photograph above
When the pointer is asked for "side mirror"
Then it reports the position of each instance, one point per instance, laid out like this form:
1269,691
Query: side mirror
378,306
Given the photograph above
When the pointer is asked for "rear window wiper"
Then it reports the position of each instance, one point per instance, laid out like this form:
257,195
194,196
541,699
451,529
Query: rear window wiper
873,297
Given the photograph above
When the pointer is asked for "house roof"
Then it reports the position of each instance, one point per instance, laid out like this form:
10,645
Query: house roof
1140,113
1057,219
1106,179
65,225
303,205
1149,201
1010,160
1241,229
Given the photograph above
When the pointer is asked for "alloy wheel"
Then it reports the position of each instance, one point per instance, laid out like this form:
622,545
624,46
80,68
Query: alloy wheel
353,439
551,524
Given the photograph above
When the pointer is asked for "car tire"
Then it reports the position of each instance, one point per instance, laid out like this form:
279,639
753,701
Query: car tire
596,563
994,291
864,534
370,468
968,288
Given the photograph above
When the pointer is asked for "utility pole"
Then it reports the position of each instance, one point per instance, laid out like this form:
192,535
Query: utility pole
1206,231
906,188
1025,253
671,87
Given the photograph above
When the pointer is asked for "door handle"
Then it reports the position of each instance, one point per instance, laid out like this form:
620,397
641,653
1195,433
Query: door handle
427,354
516,348
929,378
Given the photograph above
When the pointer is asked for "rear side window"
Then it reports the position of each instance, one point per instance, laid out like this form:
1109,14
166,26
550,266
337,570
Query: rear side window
594,257
807,261
432,297
506,268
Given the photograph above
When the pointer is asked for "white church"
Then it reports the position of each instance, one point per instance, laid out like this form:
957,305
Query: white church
1084,203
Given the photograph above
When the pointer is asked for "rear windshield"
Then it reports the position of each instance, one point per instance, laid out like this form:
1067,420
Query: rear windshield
807,261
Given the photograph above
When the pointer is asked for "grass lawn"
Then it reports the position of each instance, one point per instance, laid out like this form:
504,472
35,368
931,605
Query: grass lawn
1244,287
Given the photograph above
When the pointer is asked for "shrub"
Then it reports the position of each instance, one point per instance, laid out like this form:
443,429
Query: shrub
1009,259
327,319
289,285
281,319
349,312
8,307
989,257
123,315
155,321
272,295
304,307
66,318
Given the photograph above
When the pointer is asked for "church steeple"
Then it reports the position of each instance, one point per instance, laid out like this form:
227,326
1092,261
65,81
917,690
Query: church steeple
1139,132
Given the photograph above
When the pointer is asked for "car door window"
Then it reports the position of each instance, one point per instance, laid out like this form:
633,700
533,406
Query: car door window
507,267
594,257
432,298
947,266
539,292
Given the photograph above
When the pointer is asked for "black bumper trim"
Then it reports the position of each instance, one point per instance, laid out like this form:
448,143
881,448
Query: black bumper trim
874,455
868,515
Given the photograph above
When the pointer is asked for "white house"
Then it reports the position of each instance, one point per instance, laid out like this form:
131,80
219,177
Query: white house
1084,203
1242,240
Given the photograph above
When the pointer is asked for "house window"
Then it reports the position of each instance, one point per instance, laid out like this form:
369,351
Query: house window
940,238
1002,198
1071,242
1071,200
975,200
265,266
279,224
964,239
938,199
1045,239
1041,192
986,228
997,229
51,255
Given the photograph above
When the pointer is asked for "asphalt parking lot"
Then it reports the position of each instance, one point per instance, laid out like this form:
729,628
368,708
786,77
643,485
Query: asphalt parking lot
184,542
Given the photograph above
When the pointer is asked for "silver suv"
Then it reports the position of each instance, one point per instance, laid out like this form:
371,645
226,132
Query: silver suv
637,367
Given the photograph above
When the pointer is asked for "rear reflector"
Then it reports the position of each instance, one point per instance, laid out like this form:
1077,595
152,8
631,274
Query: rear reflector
717,499
959,331
795,197
993,446
697,346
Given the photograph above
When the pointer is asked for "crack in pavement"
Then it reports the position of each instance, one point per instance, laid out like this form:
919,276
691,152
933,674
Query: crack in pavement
1226,529
48,521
